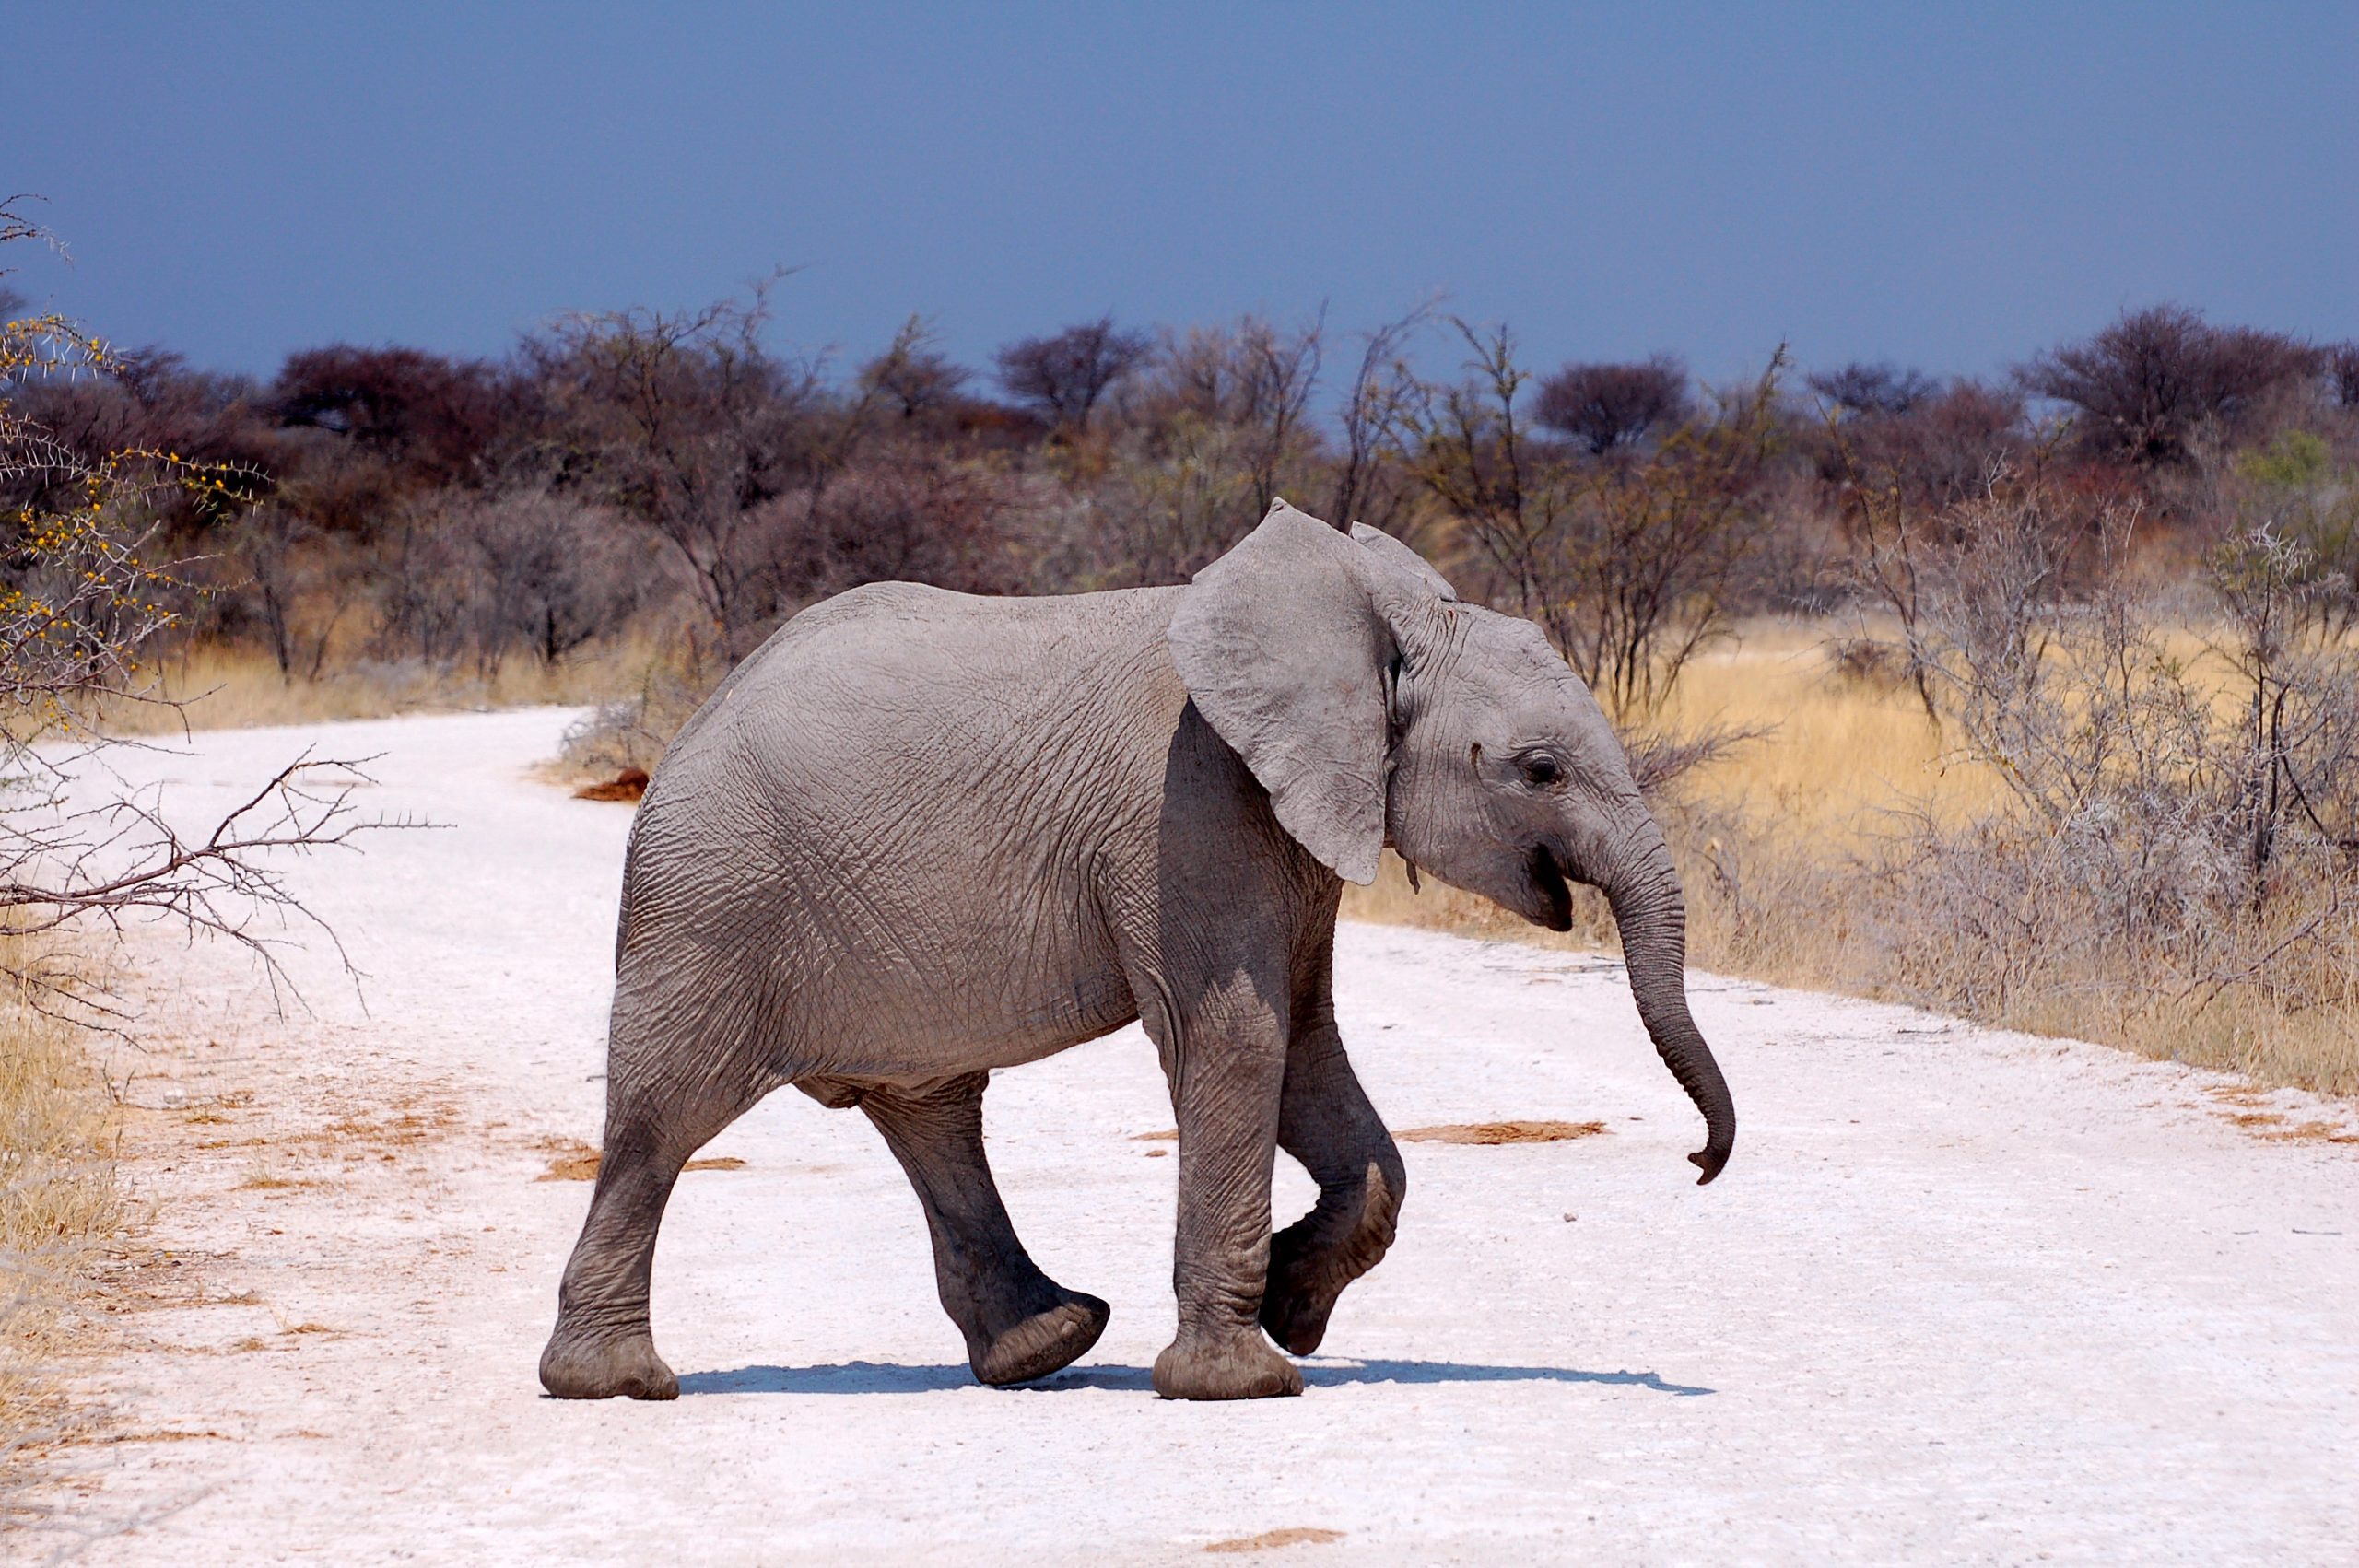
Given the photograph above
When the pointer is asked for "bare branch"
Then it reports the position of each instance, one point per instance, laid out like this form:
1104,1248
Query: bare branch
124,860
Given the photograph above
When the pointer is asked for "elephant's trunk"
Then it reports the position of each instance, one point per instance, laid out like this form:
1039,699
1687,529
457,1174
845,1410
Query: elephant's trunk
1644,890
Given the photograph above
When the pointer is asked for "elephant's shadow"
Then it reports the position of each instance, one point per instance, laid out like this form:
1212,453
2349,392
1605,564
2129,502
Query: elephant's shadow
888,1377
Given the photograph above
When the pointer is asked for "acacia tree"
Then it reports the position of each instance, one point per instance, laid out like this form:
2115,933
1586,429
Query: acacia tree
913,376
431,416
1468,446
1659,542
1865,391
2145,386
1065,374
1609,408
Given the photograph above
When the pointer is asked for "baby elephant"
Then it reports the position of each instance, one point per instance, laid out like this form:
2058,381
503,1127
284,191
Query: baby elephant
920,835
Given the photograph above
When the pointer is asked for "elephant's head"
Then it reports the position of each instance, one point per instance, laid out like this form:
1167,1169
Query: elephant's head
1374,707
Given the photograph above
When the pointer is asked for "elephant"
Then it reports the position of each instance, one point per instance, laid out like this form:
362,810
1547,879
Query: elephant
919,836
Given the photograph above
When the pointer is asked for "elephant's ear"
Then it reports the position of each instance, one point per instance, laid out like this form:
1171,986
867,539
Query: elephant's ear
1399,556
1282,648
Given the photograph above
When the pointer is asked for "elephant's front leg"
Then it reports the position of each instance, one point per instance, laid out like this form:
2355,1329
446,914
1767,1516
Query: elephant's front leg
1326,1122
1227,1062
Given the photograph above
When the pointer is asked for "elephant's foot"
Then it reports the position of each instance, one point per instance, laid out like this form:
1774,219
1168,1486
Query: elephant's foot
1237,1367
1047,1341
1312,1261
578,1365
1295,1308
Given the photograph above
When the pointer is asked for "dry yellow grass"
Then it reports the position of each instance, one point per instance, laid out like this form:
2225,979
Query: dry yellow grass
238,688
1834,751
1837,752
59,1205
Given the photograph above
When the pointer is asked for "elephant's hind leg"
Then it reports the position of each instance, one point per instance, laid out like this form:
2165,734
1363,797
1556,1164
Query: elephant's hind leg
602,1345
1326,1122
1019,1324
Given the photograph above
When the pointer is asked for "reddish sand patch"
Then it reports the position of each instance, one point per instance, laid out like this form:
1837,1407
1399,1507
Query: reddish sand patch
627,785
1501,1132
1268,1540
575,1161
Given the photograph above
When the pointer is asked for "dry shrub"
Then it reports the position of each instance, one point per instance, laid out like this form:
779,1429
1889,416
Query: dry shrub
1660,758
900,513
1213,426
2154,839
628,734
1173,497
59,1205
2175,859
1867,662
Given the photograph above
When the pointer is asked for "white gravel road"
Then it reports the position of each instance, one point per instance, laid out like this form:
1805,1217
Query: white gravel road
1961,1296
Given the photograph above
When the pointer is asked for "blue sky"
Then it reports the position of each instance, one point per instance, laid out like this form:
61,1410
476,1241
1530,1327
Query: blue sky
1951,186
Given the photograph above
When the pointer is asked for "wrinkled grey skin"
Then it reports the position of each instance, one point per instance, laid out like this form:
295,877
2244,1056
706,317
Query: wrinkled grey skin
920,835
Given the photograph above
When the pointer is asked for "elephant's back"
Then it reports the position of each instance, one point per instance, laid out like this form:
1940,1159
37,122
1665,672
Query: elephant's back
890,663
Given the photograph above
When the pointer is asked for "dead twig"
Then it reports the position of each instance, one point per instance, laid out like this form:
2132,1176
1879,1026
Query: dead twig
124,860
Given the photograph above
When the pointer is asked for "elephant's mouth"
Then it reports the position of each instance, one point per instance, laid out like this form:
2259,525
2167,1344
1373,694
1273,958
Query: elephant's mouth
1555,896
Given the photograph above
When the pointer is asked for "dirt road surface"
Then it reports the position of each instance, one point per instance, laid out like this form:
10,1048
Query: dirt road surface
1961,1296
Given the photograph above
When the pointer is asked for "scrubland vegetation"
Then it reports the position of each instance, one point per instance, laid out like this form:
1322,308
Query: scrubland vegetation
2033,697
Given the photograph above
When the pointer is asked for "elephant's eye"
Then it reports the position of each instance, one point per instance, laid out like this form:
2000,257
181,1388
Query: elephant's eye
1542,768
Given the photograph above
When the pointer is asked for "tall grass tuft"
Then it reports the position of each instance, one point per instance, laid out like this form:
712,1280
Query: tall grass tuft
60,1205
